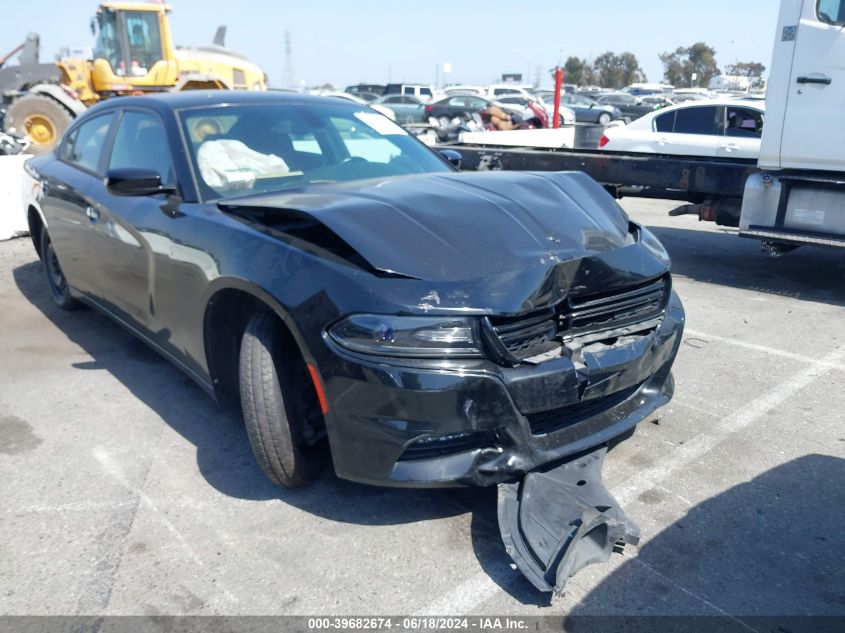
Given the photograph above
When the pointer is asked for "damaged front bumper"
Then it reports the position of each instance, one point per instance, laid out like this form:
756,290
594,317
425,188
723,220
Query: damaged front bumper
560,519
483,424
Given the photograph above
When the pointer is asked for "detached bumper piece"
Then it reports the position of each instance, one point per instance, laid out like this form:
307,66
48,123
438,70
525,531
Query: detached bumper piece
557,521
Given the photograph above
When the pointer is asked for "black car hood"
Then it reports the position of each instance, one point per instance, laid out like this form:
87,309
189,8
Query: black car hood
458,226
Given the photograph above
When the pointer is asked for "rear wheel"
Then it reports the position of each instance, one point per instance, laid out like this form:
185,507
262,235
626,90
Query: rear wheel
42,119
59,290
604,118
280,405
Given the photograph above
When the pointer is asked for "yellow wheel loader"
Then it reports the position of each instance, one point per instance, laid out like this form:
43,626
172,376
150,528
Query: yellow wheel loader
133,54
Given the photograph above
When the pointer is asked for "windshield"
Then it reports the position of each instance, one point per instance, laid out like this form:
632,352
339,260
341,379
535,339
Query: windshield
257,148
144,37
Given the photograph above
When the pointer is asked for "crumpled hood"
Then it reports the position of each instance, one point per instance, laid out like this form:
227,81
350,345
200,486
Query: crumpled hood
461,226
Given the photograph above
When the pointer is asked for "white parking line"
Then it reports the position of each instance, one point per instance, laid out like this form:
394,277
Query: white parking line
772,351
108,464
465,597
743,417
475,591
683,589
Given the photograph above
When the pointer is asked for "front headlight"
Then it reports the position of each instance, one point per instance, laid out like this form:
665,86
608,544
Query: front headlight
409,336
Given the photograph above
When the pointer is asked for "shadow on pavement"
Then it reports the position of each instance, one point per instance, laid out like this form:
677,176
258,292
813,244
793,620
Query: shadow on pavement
723,258
224,456
772,546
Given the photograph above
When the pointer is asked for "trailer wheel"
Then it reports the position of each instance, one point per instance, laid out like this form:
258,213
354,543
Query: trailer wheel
40,118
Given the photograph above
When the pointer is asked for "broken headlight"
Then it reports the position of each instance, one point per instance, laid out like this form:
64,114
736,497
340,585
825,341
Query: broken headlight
409,336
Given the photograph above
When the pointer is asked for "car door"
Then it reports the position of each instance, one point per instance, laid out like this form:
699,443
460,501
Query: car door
813,136
743,130
67,204
695,131
135,244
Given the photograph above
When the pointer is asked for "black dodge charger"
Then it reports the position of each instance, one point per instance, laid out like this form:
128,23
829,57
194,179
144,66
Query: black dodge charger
358,296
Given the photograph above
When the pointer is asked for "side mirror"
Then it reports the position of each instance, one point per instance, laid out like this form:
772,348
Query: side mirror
453,157
133,181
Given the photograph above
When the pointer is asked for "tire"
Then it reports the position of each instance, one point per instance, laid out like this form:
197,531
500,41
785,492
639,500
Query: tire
604,118
42,119
280,406
59,289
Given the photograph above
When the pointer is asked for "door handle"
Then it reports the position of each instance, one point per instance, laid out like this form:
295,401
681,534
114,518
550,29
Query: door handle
730,147
663,141
92,213
825,81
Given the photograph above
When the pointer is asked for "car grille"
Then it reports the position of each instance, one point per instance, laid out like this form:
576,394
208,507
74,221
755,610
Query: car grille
526,335
531,334
430,447
610,310
545,422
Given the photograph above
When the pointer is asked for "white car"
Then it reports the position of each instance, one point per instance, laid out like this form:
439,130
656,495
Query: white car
714,128
495,91
375,106
465,89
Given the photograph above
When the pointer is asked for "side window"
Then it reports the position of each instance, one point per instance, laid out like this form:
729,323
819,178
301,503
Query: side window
831,11
408,90
743,122
425,92
84,146
458,102
701,120
665,122
141,142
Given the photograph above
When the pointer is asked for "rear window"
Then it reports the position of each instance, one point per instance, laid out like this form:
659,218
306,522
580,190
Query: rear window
698,120
83,147
665,122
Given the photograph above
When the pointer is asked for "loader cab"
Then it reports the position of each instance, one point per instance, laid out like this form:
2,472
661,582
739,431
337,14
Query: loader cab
132,49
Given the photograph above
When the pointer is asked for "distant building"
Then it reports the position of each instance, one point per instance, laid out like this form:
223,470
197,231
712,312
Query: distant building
732,82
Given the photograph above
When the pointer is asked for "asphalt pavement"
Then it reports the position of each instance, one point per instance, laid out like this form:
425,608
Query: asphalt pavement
125,490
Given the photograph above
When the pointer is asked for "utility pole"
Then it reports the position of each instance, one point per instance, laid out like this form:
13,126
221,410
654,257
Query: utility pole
289,80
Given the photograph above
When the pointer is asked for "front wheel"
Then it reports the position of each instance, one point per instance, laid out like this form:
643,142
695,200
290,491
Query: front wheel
280,405
59,290
604,118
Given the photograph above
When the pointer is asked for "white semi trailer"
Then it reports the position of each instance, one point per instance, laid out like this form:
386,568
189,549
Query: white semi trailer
793,195
798,197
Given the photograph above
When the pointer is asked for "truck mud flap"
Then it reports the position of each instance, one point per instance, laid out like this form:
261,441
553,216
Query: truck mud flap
559,519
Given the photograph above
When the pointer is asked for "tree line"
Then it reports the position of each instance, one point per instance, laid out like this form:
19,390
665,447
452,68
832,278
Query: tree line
685,66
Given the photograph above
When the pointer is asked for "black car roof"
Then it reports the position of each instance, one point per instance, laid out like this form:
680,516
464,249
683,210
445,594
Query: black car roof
199,98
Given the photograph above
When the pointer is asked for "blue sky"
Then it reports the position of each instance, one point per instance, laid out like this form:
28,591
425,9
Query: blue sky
346,41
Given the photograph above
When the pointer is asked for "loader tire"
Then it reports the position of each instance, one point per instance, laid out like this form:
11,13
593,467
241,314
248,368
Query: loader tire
41,119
